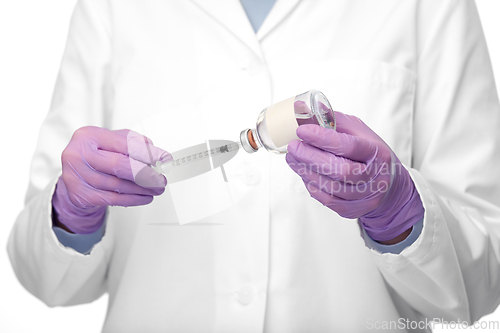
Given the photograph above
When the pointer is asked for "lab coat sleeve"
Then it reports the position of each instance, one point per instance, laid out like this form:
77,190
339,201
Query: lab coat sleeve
394,248
56,274
452,271
82,243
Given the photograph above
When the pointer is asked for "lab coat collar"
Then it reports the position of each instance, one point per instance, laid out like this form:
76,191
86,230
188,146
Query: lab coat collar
280,10
231,15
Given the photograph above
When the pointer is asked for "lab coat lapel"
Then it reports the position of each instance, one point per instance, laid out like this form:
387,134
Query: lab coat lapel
231,15
280,10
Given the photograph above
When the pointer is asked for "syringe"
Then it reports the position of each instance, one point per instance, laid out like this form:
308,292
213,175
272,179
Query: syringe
198,159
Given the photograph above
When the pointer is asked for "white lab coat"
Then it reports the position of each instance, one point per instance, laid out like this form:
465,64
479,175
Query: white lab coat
417,72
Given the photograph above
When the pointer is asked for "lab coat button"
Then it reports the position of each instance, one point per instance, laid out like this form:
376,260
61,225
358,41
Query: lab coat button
246,294
252,177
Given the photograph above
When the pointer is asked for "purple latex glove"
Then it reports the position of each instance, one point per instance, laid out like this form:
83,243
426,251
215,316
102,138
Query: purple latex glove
354,172
103,168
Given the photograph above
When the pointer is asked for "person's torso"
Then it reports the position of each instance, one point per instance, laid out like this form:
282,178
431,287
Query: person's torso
260,253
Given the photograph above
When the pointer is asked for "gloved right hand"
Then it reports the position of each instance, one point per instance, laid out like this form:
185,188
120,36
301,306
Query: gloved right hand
103,168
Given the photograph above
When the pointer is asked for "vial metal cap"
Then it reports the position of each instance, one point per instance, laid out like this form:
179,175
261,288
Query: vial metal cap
245,143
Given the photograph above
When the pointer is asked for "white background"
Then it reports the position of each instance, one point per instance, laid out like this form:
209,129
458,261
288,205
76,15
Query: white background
32,39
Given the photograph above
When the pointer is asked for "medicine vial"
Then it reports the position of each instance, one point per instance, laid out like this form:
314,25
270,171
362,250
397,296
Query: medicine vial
276,124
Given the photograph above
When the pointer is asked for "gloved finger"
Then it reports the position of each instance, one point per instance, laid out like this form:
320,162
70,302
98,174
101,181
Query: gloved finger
124,167
81,172
106,182
339,188
352,125
325,163
142,149
349,124
350,209
104,139
124,200
352,147
125,132
126,142
94,197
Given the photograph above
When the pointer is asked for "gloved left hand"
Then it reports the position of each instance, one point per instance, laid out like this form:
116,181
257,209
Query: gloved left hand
354,172
103,168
